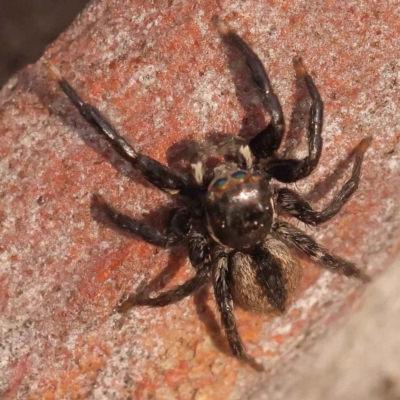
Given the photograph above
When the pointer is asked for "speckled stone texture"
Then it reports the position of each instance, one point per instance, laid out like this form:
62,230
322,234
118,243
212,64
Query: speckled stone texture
161,74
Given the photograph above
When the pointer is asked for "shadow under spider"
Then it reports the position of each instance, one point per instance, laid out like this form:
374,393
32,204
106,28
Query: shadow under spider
211,323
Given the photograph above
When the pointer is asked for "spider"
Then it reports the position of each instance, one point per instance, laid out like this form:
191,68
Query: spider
234,237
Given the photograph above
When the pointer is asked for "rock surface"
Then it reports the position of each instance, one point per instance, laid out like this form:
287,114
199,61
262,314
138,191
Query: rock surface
162,76
359,361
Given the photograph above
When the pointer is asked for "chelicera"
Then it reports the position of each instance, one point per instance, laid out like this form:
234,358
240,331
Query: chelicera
234,237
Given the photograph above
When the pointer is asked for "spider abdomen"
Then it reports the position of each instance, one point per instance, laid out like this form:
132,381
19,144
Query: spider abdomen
268,286
239,209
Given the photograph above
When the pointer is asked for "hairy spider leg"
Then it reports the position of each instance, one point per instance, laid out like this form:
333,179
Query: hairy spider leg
310,247
156,173
224,301
266,142
292,170
295,205
178,224
172,296
199,254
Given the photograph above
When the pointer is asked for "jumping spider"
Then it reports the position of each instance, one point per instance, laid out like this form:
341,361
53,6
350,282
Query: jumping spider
235,238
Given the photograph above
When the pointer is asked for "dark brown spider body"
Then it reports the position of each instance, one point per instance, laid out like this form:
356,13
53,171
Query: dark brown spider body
236,241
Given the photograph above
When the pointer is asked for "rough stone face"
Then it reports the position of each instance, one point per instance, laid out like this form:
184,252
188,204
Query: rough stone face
160,73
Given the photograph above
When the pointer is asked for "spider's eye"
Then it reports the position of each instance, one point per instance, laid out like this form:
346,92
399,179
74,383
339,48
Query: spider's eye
239,175
220,183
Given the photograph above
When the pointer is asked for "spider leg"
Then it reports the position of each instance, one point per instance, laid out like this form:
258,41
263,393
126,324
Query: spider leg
292,170
224,301
172,296
269,139
309,246
199,252
156,173
178,225
199,255
294,204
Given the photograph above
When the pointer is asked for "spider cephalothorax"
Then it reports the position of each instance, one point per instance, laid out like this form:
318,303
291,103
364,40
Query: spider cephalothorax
239,209
236,240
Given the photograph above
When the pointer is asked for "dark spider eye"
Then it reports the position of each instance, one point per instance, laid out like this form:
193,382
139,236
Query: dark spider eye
239,175
219,183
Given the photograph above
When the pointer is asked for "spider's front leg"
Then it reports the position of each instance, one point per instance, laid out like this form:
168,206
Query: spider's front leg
224,300
156,173
199,255
294,204
178,224
292,170
266,142
288,233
